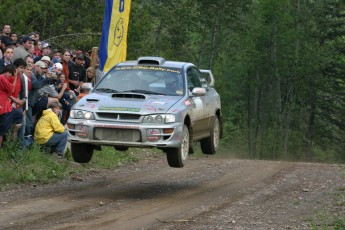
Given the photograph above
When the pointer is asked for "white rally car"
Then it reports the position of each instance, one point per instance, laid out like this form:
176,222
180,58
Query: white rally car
150,102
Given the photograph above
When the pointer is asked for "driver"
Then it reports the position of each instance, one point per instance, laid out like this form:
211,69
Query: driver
171,84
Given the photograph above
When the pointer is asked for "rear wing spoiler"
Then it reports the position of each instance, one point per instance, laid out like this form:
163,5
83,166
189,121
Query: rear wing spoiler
208,75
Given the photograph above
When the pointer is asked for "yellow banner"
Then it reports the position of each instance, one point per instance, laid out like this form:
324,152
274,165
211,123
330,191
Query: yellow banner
113,48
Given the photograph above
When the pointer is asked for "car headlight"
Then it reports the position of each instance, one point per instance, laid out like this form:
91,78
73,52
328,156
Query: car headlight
81,114
159,118
170,118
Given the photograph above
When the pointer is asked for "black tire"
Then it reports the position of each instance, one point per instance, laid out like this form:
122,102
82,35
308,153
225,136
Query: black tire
210,144
177,156
81,153
121,148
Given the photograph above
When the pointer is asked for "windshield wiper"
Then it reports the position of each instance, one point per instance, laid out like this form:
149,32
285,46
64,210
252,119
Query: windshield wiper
141,91
107,90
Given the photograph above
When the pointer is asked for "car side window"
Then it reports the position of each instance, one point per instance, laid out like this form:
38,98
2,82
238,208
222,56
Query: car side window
193,79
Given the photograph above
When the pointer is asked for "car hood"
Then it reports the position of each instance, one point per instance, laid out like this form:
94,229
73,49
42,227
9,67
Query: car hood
127,103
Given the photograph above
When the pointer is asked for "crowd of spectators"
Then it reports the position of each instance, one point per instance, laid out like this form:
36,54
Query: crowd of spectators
36,81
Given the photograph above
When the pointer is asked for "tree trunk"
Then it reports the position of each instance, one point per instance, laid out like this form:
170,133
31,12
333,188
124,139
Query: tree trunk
310,130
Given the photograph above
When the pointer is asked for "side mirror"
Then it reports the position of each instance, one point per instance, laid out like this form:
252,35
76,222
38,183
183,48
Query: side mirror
198,91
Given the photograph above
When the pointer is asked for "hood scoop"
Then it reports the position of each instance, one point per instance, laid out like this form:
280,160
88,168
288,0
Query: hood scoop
92,99
128,95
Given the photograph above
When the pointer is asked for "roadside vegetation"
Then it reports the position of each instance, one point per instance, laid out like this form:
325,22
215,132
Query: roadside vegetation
35,165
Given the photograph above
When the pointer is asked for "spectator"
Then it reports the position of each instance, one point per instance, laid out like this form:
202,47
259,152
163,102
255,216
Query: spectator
32,35
21,51
50,132
28,138
68,98
77,73
7,58
62,79
38,48
38,81
56,55
19,87
37,36
14,38
5,38
30,61
8,115
57,69
32,51
46,94
90,75
46,59
65,59
30,65
20,92
85,89
46,51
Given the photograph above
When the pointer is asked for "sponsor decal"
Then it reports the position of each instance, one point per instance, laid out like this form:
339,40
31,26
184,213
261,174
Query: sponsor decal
116,126
148,68
82,130
187,102
119,109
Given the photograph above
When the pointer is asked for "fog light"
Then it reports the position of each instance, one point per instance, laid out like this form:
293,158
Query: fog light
153,138
70,126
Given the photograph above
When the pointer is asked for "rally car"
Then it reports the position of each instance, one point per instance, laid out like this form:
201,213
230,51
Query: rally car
149,102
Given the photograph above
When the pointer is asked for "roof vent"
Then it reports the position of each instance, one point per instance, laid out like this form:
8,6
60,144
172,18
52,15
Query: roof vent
151,61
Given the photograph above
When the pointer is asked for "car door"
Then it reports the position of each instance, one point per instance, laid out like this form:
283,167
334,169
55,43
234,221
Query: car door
199,114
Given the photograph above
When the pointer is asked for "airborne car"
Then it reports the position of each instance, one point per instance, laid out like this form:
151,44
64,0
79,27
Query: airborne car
149,102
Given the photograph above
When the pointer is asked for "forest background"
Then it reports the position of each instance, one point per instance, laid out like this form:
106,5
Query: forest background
279,64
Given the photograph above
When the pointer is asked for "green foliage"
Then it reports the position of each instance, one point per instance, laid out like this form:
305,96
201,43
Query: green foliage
110,158
72,24
29,165
35,165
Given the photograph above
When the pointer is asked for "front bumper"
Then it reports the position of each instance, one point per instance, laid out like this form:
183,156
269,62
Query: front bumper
124,134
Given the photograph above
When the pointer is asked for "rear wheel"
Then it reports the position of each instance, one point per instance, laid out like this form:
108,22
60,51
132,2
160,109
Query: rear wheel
177,156
210,144
121,148
81,153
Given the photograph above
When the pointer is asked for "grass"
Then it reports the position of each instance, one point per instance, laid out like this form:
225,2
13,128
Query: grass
334,219
34,165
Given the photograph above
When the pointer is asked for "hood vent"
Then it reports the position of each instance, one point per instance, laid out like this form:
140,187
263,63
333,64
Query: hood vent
128,95
151,61
92,100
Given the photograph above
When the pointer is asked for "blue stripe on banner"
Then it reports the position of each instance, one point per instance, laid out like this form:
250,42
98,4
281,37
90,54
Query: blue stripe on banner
103,48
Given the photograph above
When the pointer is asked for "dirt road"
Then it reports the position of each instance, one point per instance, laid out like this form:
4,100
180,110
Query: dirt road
209,193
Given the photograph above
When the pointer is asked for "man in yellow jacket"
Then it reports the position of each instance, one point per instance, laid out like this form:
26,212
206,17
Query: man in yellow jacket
49,131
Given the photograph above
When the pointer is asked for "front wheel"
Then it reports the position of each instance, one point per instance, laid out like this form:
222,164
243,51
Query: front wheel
177,156
81,153
210,144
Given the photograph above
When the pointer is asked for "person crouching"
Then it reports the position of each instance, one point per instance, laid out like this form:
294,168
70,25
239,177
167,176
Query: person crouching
50,132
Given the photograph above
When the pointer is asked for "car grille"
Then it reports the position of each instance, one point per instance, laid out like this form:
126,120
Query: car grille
107,134
119,116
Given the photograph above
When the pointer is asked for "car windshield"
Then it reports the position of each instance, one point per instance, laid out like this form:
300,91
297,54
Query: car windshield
143,79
